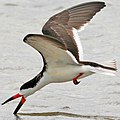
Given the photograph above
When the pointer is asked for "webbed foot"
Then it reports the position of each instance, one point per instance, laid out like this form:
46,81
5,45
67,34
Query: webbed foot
75,81
77,77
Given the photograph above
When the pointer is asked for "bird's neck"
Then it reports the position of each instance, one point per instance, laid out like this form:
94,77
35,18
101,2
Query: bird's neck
32,85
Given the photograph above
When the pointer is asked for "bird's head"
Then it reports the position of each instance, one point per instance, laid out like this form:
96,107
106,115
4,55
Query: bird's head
25,91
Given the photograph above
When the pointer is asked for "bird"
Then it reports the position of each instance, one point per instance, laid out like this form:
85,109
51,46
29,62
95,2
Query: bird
61,51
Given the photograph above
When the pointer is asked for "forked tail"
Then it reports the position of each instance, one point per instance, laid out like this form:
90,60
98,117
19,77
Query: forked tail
107,68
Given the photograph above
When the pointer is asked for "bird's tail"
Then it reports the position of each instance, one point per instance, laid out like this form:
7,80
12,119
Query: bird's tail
107,68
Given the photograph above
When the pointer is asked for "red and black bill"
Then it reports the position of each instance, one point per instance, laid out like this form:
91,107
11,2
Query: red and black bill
20,103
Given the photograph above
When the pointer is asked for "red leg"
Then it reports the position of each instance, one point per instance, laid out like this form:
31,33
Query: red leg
75,79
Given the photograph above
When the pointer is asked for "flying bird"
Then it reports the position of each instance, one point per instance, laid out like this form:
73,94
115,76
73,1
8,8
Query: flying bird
61,51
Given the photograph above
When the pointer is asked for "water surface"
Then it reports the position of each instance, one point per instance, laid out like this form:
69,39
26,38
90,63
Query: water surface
96,97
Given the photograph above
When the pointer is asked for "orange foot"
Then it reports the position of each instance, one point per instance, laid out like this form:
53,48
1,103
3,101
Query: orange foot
75,79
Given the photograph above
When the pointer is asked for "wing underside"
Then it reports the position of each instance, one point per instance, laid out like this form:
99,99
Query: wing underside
54,52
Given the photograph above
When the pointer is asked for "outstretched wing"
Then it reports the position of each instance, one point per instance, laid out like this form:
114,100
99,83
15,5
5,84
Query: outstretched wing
65,24
54,52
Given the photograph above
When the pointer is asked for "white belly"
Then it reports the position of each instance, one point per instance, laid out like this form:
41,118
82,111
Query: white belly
65,73
57,75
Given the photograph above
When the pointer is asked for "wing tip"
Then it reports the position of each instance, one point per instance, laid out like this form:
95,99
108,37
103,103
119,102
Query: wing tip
99,2
103,4
27,36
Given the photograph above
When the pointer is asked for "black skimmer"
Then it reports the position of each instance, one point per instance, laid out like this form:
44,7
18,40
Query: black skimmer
61,51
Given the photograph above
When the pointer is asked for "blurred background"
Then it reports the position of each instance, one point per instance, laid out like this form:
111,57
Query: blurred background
96,97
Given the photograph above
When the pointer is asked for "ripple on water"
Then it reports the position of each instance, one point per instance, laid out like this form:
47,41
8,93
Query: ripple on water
72,115
10,4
